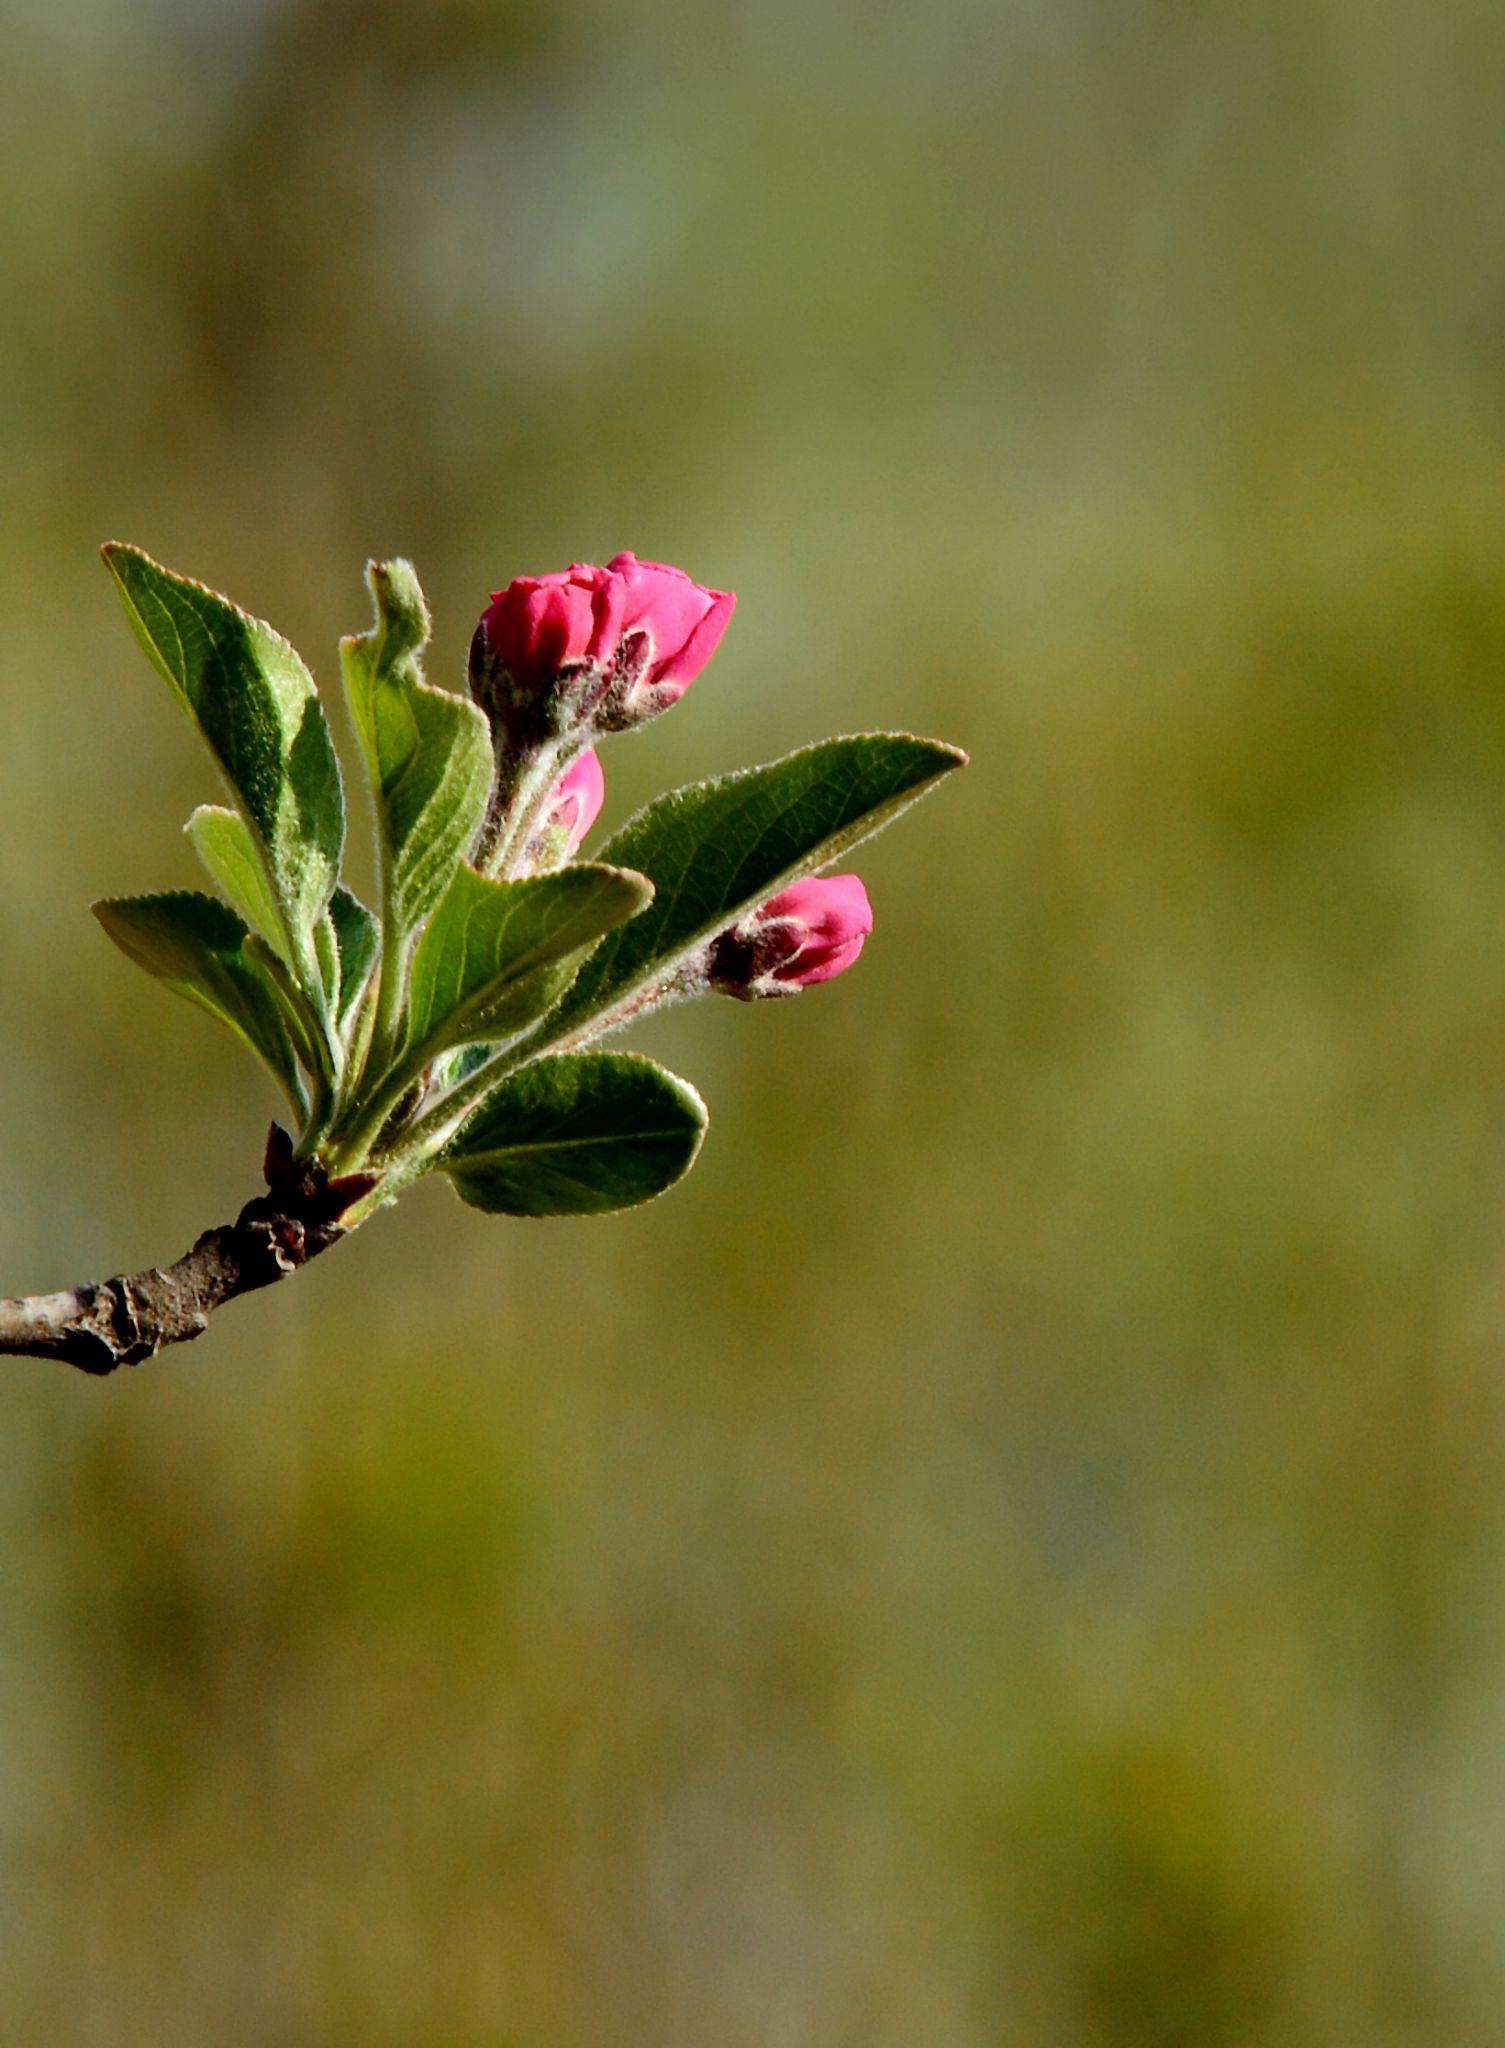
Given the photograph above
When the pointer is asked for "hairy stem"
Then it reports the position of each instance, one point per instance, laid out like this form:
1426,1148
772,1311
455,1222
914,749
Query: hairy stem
517,796
134,1316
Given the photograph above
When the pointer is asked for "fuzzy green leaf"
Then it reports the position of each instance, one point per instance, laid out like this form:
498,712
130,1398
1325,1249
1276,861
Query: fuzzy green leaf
427,753
346,939
254,702
305,1026
222,840
578,1135
716,849
496,954
197,946
357,938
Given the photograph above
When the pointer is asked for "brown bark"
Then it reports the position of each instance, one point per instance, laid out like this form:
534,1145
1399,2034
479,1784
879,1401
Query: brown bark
134,1316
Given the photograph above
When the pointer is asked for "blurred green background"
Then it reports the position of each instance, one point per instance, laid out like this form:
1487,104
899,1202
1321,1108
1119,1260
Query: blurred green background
1010,1555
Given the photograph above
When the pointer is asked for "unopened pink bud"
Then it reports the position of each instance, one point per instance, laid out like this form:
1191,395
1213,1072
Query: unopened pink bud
806,934
575,802
623,642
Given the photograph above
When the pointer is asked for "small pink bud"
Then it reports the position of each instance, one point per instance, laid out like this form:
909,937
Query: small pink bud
806,934
623,642
575,802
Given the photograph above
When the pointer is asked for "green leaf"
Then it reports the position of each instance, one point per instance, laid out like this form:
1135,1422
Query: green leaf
255,703
578,1135
719,848
197,945
495,954
303,1023
346,939
427,753
357,938
222,840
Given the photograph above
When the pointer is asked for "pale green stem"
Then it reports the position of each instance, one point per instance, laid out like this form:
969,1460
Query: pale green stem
307,1025
513,812
352,1149
390,990
438,1125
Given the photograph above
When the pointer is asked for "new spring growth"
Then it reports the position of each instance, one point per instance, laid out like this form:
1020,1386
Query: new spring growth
453,1026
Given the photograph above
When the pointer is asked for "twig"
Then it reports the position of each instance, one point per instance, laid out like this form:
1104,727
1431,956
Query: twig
136,1315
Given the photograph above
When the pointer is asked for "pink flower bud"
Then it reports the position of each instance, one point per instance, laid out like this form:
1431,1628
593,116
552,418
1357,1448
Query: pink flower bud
619,644
807,933
575,802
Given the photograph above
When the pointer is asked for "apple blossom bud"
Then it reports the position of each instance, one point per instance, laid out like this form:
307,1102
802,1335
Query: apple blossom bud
806,934
604,648
571,809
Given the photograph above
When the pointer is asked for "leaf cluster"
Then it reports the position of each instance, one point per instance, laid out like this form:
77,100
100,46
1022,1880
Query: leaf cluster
449,1028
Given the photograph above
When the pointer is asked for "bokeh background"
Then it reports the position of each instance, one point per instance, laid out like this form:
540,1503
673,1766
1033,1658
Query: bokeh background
1012,1553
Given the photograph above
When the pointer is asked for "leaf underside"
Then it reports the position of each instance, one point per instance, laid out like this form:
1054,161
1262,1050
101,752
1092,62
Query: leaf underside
223,842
